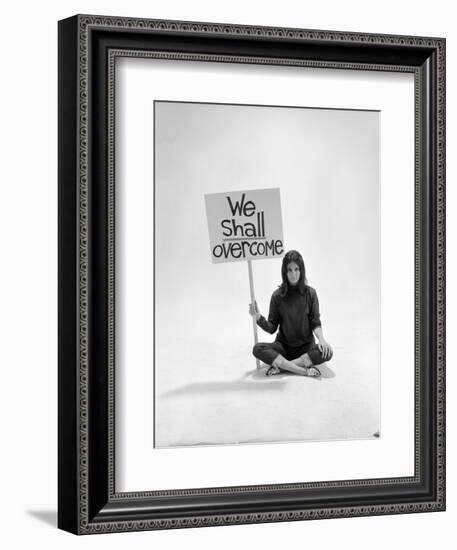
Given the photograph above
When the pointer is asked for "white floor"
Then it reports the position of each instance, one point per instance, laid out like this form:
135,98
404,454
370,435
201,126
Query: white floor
228,401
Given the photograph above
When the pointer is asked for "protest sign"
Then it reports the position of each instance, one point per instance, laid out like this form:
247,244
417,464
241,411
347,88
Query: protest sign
245,226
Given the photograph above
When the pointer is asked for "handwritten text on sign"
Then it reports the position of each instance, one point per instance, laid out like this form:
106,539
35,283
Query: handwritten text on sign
244,225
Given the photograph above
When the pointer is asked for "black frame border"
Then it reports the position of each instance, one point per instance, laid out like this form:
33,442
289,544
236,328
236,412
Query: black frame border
88,46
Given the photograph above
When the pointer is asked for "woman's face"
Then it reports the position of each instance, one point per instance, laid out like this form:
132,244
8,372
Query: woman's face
293,273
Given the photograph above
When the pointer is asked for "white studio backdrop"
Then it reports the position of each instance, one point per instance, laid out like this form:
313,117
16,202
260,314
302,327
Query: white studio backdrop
29,277
211,378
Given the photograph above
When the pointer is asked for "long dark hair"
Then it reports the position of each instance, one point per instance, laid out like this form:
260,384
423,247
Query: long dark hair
293,256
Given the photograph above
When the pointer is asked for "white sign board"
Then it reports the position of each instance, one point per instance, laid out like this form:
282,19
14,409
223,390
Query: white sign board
245,225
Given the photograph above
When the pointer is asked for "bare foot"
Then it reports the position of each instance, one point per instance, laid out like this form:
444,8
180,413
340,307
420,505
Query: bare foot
272,371
312,371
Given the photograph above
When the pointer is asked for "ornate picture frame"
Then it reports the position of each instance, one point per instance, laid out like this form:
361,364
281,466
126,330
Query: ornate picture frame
88,500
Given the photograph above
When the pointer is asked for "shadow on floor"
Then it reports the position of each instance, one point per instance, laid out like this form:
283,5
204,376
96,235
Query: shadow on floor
238,386
267,383
45,516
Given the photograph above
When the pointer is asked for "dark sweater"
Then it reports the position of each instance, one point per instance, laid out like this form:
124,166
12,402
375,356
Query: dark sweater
296,315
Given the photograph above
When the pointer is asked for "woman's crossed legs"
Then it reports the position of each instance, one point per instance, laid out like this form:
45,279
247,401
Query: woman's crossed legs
300,360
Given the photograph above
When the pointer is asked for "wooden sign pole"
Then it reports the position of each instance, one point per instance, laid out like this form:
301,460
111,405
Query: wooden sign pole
254,323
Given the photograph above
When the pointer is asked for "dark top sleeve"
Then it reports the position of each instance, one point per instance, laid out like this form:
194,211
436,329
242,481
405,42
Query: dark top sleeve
270,325
314,314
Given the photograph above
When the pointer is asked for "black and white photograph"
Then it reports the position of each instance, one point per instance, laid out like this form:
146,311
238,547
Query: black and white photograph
267,274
